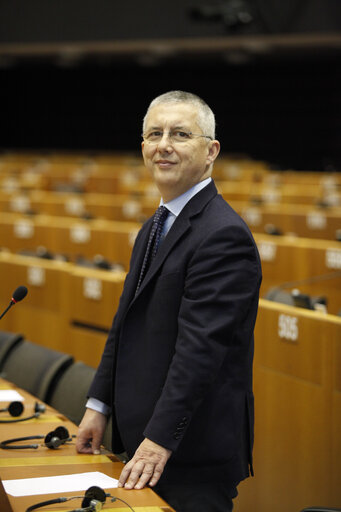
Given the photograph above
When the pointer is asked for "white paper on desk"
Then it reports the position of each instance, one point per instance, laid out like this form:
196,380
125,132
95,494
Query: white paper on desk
58,484
10,395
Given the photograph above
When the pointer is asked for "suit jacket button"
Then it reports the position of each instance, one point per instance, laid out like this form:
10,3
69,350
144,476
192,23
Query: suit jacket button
176,436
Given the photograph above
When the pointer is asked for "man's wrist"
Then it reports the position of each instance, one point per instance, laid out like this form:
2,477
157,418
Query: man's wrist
98,405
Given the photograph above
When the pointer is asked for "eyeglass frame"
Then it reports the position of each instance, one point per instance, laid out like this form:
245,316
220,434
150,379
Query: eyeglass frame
191,134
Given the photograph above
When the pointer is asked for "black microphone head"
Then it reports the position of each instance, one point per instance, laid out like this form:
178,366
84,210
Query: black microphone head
93,493
19,294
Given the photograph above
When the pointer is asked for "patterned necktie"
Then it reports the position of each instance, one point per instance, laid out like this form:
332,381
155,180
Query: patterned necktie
153,241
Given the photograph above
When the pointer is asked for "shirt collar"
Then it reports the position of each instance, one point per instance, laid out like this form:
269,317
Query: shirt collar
176,205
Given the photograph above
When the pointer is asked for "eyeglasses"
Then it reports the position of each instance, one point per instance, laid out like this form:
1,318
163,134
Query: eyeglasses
176,136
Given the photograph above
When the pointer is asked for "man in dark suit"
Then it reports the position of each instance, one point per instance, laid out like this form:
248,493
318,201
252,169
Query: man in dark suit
176,372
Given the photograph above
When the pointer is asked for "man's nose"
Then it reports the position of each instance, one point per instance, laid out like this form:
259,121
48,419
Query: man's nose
165,142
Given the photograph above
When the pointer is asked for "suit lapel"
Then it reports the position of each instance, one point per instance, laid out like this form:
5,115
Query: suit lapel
171,239
181,225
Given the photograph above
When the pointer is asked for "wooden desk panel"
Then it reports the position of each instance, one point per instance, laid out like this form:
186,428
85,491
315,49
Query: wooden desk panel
336,417
41,316
269,193
86,344
296,344
297,420
92,301
94,295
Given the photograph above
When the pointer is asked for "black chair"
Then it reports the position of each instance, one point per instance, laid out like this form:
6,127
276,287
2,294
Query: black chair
69,395
321,509
35,368
8,340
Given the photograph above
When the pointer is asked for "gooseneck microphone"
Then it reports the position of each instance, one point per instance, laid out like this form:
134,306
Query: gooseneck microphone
18,295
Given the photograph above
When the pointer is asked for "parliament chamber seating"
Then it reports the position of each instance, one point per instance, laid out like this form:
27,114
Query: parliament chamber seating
35,368
69,394
321,509
8,340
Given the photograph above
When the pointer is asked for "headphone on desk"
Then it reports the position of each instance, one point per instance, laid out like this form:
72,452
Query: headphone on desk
52,440
93,501
15,409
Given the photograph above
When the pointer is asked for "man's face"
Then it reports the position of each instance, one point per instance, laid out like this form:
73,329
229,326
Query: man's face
177,166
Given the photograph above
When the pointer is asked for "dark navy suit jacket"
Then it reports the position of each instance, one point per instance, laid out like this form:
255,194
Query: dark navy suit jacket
177,366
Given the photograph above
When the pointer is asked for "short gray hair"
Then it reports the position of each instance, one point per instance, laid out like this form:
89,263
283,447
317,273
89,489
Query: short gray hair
205,120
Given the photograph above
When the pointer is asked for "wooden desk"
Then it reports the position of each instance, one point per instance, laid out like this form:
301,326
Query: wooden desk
79,303
16,464
297,389
69,236
286,259
303,220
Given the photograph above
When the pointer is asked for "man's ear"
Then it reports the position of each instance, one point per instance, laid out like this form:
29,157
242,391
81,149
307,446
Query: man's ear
213,150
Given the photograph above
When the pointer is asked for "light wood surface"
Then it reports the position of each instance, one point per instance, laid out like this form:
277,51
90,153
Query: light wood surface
31,463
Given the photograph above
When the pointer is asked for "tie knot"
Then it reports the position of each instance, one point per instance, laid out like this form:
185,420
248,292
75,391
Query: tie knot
160,214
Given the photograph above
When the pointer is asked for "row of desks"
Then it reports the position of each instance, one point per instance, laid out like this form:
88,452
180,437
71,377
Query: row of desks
141,201
70,166
43,462
302,220
284,258
80,302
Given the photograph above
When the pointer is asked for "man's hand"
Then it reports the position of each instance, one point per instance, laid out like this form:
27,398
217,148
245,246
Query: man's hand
90,432
145,467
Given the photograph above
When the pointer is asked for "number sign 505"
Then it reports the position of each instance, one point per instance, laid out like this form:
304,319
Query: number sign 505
288,327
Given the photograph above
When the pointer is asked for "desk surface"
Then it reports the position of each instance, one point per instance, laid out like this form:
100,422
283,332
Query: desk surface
31,463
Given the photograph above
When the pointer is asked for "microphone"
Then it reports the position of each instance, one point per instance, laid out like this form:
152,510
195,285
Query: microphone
297,298
18,295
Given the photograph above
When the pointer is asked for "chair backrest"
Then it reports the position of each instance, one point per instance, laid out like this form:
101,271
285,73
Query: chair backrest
321,509
70,393
8,340
35,368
